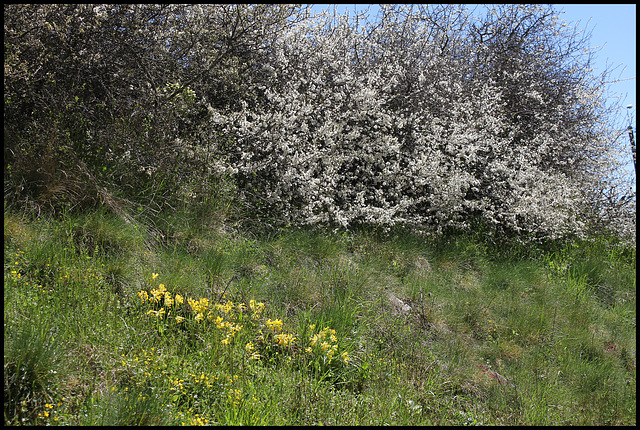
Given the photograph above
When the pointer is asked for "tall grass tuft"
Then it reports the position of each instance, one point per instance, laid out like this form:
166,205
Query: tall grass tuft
32,359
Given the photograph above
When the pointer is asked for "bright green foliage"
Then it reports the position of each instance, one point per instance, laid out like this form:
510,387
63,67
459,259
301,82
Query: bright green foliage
297,328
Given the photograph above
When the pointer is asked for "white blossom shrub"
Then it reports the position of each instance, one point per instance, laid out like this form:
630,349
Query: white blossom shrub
411,123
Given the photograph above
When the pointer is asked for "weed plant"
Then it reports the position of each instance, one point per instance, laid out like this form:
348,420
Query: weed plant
105,324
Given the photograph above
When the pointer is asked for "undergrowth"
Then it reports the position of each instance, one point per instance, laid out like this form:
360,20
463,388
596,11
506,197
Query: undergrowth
109,323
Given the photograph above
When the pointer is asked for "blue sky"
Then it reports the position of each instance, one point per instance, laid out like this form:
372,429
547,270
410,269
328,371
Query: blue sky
612,26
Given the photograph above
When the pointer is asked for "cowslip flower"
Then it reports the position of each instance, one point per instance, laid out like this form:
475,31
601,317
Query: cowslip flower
168,300
284,339
158,293
199,306
219,322
331,351
227,307
157,314
275,325
257,308
143,296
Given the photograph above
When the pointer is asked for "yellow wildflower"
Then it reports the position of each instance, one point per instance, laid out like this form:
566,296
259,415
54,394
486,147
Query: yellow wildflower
284,339
157,295
228,306
199,306
168,301
179,319
257,308
154,275
143,296
331,351
179,299
275,325
219,323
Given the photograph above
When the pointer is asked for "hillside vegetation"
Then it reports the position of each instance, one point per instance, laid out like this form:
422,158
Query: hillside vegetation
252,214
300,327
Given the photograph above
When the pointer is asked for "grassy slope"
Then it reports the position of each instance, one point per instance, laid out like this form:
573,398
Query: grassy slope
549,340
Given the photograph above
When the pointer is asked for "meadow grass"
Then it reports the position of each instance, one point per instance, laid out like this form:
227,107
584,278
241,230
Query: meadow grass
110,323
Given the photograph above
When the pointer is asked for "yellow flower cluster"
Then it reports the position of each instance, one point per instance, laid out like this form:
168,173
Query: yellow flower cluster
275,325
322,334
256,308
158,294
143,296
48,411
228,317
162,297
284,339
250,348
326,342
225,307
199,307
230,328
203,310
157,314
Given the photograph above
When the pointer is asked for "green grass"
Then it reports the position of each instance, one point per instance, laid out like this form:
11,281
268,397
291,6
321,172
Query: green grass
534,338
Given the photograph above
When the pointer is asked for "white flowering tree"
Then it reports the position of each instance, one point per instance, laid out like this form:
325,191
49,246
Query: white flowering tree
430,118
